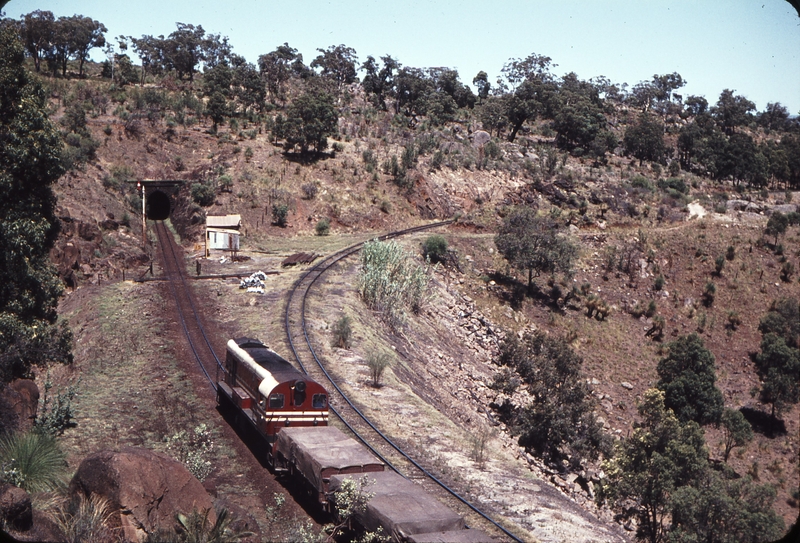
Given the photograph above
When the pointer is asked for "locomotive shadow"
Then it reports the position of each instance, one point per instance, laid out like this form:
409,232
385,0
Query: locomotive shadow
294,487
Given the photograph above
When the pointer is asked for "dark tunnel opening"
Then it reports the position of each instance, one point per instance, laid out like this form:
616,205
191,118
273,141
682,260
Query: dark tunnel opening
158,206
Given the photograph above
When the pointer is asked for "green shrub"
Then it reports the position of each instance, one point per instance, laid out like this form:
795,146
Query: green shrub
309,190
342,332
225,182
435,248
651,310
323,227
730,254
734,320
437,160
674,183
178,164
641,182
659,282
79,149
193,448
370,161
203,193
505,381
719,263
709,293
55,414
492,150
787,270
558,421
280,214
377,362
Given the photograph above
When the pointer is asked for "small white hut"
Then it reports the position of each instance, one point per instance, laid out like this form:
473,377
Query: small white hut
222,232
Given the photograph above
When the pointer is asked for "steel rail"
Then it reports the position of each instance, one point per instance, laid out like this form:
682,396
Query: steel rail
166,240
320,268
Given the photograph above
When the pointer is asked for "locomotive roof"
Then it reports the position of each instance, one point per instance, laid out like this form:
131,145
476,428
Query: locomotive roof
268,364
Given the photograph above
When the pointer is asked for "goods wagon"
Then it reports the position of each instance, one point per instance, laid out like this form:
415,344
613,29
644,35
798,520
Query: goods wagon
319,453
402,508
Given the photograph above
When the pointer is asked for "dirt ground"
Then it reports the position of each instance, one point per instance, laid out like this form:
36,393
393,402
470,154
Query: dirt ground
137,385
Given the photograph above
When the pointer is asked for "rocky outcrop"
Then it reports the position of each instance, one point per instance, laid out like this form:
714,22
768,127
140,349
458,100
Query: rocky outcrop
145,488
19,401
19,522
15,508
743,205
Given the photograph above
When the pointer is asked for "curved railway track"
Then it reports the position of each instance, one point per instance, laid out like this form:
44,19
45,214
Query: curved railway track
363,428
300,344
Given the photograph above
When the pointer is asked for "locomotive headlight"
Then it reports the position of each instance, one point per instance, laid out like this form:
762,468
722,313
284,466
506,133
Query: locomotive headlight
300,386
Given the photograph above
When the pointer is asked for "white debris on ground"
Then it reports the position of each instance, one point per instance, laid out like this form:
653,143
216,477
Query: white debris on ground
696,210
254,283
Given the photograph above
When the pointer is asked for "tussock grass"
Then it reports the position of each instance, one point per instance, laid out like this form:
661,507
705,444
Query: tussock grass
32,461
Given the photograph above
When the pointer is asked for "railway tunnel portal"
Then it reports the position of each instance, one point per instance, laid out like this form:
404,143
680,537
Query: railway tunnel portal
160,197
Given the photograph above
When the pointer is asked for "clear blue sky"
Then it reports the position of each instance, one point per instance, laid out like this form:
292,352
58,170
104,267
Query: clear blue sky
751,46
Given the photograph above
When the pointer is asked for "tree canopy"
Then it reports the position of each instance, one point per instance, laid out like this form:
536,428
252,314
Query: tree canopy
661,475
58,40
338,63
660,457
30,163
559,420
309,120
532,243
736,431
645,139
688,379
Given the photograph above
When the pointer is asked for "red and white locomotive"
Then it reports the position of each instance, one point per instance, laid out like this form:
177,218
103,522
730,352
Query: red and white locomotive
284,405
269,391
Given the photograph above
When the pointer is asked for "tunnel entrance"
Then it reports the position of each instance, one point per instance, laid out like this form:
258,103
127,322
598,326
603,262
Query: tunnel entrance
158,206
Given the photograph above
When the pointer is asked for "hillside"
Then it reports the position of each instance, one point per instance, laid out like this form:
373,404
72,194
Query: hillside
633,220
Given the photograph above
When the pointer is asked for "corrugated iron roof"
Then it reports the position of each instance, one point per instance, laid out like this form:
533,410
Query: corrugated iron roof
224,221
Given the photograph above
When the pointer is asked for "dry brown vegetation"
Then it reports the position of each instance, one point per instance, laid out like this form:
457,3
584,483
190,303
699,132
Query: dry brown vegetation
135,389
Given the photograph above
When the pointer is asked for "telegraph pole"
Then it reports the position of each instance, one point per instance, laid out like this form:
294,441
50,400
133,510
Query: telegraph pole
144,217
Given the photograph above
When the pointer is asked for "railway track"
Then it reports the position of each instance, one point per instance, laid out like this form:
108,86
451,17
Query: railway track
175,274
340,404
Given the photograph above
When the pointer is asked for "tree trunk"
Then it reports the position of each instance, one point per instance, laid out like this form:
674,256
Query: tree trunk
514,131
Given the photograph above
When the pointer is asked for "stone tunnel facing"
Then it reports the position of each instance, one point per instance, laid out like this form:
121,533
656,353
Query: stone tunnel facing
158,206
